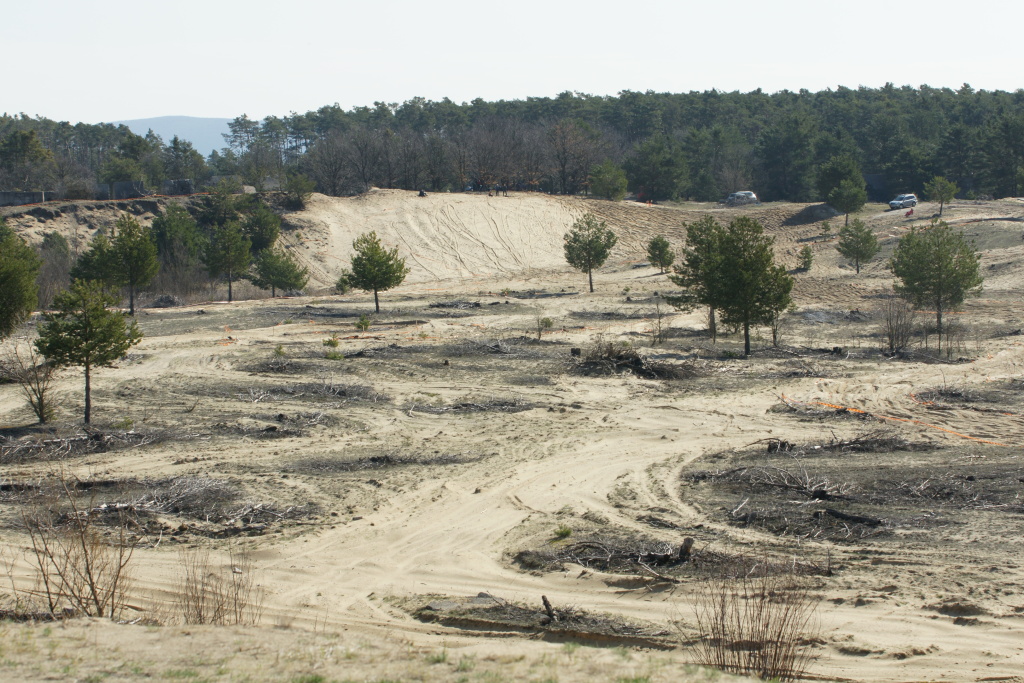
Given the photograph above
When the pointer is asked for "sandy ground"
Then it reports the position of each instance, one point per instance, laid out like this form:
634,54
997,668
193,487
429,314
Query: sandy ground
616,449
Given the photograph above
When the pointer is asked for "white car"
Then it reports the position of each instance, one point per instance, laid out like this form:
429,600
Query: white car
904,201
745,197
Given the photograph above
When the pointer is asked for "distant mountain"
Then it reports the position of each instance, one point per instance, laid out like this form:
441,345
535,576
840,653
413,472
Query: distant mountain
203,133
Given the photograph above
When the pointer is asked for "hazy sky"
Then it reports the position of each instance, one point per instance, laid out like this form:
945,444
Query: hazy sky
81,60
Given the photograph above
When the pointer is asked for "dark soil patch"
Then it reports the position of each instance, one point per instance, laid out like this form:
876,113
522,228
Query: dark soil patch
328,464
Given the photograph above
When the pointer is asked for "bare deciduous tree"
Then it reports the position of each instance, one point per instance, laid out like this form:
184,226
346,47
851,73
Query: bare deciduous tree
33,374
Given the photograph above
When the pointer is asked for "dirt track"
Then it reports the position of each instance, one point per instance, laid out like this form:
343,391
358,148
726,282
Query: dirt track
616,449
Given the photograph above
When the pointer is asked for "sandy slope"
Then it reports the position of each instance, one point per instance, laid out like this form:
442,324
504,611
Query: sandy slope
615,451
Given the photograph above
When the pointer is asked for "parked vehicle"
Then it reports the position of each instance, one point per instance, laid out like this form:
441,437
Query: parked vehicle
904,201
744,197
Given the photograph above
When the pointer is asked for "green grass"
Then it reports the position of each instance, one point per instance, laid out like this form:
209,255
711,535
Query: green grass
563,532
309,678
334,355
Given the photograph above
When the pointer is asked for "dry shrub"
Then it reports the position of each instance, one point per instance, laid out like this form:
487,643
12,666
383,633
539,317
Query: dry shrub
898,322
758,625
80,572
207,595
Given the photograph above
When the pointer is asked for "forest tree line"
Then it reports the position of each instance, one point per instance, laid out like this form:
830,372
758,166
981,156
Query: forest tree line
697,145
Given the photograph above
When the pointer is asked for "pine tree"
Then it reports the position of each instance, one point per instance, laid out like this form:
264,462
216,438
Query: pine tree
133,257
19,268
375,268
261,226
700,270
83,331
228,253
659,253
857,243
756,290
277,270
850,196
937,267
940,190
96,263
587,245
608,181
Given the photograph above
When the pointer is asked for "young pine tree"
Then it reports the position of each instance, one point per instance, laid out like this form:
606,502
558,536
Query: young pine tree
857,243
19,268
228,253
84,332
587,245
660,254
133,257
277,270
374,268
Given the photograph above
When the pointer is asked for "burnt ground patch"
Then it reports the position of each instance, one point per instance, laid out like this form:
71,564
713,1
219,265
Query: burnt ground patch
202,505
848,491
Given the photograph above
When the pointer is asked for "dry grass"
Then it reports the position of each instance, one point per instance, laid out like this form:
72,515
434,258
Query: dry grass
210,595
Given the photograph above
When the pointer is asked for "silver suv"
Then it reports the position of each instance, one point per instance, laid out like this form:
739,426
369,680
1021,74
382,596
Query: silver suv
745,197
904,201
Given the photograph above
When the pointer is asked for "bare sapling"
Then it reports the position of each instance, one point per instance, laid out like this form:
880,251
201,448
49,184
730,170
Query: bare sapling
543,324
758,625
81,571
33,374
898,322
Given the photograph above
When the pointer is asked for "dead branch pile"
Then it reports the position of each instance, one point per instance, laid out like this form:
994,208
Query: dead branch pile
77,442
632,314
662,560
328,388
277,364
800,481
191,496
607,358
817,412
197,497
877,441
514,405
490,347
566,619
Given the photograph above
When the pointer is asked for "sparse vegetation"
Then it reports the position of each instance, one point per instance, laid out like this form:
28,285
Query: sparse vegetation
208,594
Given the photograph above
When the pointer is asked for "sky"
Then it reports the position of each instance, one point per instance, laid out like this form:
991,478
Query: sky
83,60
